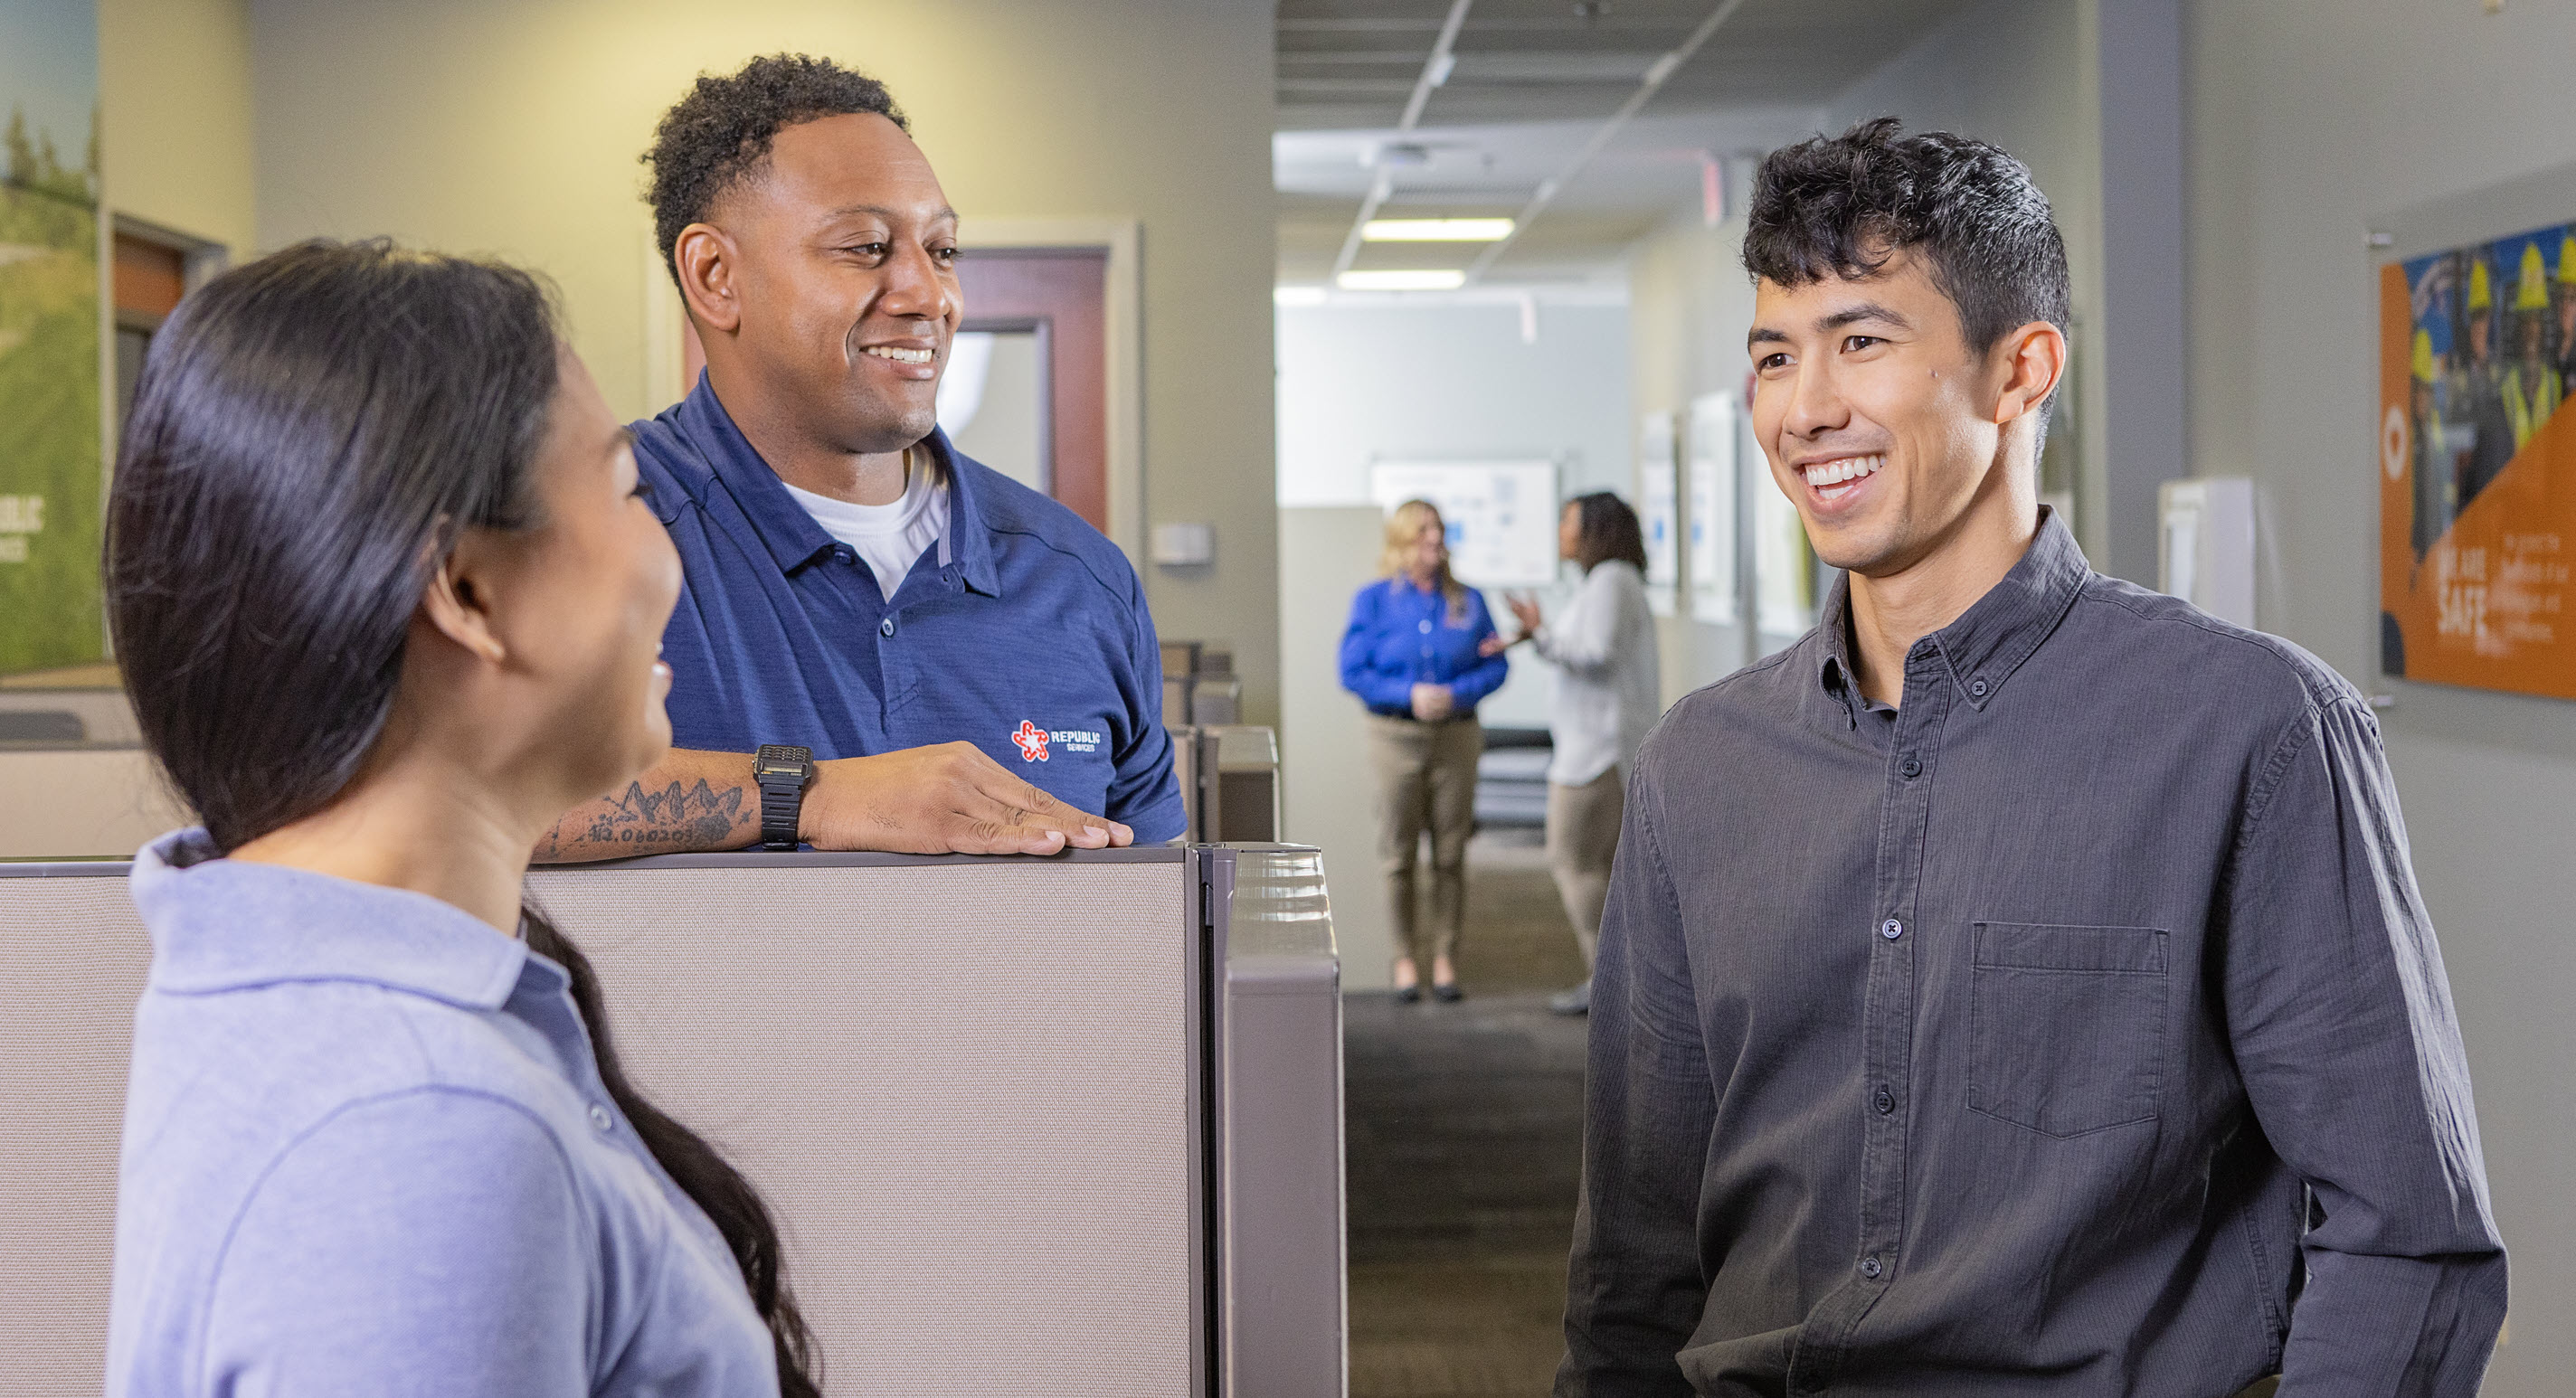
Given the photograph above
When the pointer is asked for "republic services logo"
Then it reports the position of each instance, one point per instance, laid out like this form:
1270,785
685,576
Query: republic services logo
1031,741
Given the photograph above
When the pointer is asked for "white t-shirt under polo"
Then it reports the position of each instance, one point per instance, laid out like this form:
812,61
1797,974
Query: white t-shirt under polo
891,538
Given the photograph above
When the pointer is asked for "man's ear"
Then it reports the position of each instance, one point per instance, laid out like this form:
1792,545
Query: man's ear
705,257
2034,362
458,602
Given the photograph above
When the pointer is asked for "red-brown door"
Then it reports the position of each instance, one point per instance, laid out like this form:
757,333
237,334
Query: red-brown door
1061,293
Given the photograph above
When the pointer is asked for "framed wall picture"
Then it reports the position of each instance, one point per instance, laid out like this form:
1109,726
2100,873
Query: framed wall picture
2477,465
51,505
1712,529
1658,511
1784,570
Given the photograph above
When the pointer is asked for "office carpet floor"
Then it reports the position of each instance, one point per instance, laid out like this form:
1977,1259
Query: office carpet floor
1465,1147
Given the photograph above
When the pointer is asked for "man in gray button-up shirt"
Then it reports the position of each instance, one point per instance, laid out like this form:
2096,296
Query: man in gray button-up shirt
2019,984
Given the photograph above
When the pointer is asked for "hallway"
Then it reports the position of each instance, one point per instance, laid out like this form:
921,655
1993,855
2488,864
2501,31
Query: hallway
1465,1149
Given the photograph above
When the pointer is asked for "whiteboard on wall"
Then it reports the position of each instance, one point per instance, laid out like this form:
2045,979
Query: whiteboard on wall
1658,516
1712,509
1501,514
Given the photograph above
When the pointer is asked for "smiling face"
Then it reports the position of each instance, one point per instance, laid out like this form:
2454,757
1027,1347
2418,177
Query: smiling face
585,594
1881,424
839,275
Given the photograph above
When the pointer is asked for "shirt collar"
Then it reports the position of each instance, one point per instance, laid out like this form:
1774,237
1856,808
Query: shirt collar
220,924
968,544
792,535
1990,640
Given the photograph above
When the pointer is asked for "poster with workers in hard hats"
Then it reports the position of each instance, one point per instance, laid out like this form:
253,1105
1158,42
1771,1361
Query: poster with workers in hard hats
2477,347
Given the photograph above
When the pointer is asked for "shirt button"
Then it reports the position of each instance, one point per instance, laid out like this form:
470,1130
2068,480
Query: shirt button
1426,628
599,1117
1891,929
1977,688
1869,1268
1884,1100
1912,767
886,627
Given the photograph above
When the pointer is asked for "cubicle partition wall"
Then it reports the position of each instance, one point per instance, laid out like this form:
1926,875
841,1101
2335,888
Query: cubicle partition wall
1023,1133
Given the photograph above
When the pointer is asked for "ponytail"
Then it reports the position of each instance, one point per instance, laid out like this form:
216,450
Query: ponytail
702,1174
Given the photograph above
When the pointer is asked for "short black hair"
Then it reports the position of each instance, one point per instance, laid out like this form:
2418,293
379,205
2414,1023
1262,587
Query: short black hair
720,133
1843,205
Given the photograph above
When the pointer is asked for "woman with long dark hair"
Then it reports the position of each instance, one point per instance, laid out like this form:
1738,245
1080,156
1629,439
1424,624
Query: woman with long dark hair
387,602
1608,693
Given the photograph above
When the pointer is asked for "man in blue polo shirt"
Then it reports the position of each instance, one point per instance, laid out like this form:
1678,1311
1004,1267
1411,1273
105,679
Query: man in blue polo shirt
970,666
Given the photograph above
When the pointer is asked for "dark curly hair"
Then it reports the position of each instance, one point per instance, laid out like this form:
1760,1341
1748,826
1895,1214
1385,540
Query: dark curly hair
720,133
1843,205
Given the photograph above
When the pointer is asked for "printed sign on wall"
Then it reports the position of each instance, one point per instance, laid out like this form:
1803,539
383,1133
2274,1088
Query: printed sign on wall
1712,509
1657,513
50,506
1501,514
2477,479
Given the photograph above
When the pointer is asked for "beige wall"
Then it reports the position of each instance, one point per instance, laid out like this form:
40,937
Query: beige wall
1688,308
175,98
2311,122
513,126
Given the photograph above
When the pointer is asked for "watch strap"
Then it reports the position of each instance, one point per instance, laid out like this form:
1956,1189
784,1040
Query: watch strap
782,773
782,803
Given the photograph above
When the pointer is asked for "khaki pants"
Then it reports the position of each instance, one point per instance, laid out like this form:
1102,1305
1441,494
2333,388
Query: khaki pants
1582,838
1426,780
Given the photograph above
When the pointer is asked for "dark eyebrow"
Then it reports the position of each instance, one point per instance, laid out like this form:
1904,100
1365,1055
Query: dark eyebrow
889,215
1866,310
1764,335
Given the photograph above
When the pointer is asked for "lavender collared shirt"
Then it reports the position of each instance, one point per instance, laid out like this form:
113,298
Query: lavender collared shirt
367,1150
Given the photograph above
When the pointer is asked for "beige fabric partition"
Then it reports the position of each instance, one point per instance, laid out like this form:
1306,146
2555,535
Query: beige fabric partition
72,958
968,1088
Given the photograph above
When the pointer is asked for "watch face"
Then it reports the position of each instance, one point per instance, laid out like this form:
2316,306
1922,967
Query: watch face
781,760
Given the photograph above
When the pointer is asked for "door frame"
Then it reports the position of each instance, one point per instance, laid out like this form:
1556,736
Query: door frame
1123,356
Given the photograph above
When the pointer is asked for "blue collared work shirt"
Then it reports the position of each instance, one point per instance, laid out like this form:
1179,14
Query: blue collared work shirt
1400,636
1023,631
367,1150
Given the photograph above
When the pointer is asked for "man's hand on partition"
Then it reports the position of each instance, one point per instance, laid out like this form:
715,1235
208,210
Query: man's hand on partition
947,799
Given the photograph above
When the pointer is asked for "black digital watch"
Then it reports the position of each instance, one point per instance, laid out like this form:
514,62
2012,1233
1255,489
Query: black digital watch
782,772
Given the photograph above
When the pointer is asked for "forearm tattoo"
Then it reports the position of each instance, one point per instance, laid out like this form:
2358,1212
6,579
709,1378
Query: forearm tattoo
694,818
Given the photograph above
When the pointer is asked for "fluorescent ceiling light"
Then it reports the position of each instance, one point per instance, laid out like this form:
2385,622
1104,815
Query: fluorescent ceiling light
1297,295
1436,230
1403,280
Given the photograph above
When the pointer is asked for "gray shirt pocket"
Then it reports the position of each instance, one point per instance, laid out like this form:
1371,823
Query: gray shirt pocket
2066,1025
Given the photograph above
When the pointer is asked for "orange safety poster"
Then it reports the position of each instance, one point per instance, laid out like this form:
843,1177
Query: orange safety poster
2477,483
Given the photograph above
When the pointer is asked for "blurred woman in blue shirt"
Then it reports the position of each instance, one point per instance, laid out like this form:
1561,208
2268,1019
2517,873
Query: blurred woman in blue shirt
1415,655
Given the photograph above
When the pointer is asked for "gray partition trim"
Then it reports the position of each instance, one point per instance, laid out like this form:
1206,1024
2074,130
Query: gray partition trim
65,868
871,859
729,859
